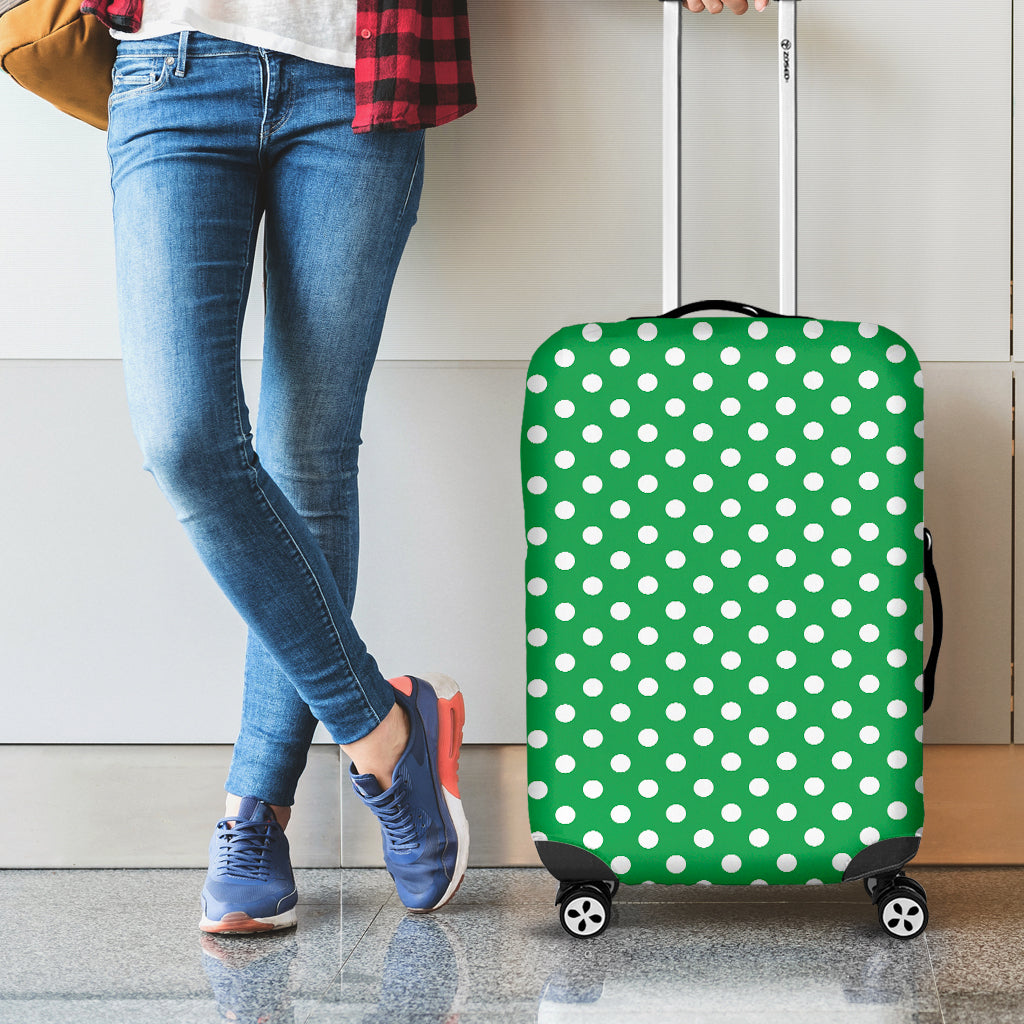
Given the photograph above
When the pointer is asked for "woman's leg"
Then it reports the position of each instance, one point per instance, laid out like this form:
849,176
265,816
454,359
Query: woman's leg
189,167
339,209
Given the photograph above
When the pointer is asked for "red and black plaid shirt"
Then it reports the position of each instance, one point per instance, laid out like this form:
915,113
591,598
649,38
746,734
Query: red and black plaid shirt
413,68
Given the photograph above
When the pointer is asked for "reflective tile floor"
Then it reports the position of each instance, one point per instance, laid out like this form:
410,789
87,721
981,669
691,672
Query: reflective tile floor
122,946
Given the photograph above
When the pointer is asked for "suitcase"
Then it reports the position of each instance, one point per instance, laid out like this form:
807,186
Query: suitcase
725,567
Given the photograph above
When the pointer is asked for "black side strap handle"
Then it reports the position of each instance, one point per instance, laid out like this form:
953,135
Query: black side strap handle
724,304
932,579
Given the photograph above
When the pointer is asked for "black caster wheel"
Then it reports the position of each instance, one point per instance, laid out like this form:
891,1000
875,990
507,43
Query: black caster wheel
903,911
871,886
611,887
585,911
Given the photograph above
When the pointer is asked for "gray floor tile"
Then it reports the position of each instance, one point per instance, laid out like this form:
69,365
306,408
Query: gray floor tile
99,946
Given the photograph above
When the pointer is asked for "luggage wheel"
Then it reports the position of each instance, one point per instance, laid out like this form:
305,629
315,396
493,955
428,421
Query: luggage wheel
585,907
902,904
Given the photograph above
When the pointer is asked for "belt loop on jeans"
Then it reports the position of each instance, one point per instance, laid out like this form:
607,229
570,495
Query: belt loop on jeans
179,69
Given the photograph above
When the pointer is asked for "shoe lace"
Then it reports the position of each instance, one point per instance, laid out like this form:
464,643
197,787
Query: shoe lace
244,848
397,822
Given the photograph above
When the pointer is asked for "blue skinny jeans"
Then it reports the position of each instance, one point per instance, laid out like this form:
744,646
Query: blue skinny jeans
207,136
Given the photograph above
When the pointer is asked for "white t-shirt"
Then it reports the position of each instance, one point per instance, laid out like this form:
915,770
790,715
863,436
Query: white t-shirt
320,30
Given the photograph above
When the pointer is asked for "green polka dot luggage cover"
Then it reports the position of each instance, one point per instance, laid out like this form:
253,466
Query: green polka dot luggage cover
724,595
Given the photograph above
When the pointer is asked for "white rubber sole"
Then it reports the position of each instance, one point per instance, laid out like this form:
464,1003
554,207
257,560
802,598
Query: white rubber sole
242,924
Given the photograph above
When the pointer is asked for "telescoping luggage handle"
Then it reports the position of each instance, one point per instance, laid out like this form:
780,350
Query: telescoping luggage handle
672,140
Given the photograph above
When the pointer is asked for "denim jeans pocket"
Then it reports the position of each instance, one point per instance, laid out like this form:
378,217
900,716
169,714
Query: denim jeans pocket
138,74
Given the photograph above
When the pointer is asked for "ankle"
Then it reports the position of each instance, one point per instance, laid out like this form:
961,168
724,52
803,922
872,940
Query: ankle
378,752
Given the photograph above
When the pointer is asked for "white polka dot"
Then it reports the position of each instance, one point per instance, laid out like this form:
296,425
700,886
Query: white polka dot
759,736
537,790
785,812
813,431
759,838
620,865
647,382
785,355
813,583
896,455
757,431
703,737
868,531
648,839
758,584
592,839
869,582
647,432
565,763
785,456
620,763
675,762
675,356
731,508
537,638
647,737
868,379
675,812
593,738
896,404
675,864
565,815
730,356
813,380
869,734
814,481
786,609
787,862
731,660
620,814
703,534
840,456
786,558
841,405
897,810
758,381
814,837
703,483
648,687
703,584
703,381
785,506
896,607
730,406
647,331
704,838
593,789
785,406
731,863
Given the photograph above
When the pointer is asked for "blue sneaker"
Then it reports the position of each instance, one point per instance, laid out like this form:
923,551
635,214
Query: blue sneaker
424,828
249,886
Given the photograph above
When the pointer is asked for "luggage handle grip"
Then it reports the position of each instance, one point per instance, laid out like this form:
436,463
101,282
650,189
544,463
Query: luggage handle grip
725,304
932,579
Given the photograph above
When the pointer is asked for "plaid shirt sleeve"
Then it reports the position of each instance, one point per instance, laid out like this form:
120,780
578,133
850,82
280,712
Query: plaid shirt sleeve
122,15
413,67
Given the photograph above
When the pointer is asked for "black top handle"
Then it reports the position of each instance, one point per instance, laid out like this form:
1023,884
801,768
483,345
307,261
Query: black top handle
724,304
